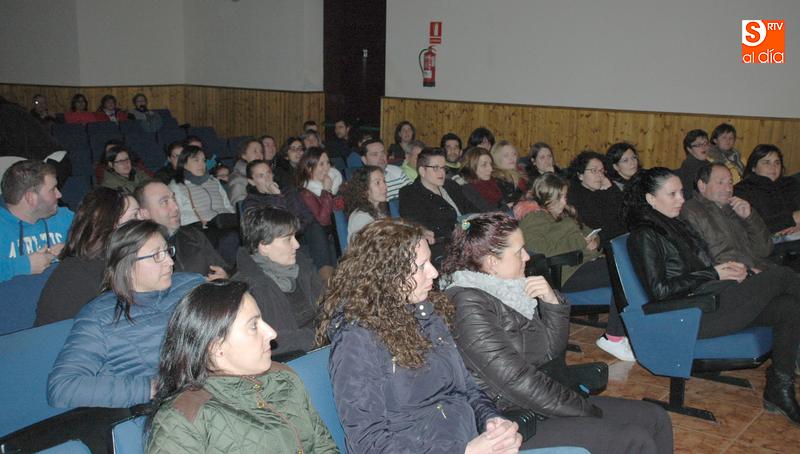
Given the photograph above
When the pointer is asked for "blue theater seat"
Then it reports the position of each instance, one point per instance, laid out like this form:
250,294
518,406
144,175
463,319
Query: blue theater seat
19,298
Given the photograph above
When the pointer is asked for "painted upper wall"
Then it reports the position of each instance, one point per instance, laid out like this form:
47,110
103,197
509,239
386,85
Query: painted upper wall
675,56
130,43
39,42
274,44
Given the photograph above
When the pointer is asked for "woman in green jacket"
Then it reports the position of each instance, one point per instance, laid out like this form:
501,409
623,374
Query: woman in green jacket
218,390
554,229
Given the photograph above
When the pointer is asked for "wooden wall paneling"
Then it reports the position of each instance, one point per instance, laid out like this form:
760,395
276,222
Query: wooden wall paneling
658,136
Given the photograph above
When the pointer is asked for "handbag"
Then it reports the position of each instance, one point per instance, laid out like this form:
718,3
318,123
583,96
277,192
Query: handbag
224,221
586,379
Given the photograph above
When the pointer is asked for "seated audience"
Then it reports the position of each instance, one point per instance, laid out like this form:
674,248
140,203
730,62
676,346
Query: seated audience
201,198
216,360
167,173
285,284
310,139
108,107
222,173
41,112
672,261
150,121
119,173
481,137
453,149
513,184
508,326
622,162
695,145
78,278
249,150
399,382
110,357
773,195
194,253
542,161
409,165
262,191
33,228
286,163
551,228
310,126
731,229
270,147
373,153
434,201
316,190
78,103
596,200
477,182
404,133
723,140
365,198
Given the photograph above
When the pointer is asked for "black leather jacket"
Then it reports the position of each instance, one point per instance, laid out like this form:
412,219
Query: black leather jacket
668,258
502,349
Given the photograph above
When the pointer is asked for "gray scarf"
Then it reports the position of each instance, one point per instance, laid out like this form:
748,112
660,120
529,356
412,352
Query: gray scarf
284,276
510,292
194,179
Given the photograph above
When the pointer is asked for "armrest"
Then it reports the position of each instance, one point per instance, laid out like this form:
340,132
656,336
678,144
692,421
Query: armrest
570,258
706,303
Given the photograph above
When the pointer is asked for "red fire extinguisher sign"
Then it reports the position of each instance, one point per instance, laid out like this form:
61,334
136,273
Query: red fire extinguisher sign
435,35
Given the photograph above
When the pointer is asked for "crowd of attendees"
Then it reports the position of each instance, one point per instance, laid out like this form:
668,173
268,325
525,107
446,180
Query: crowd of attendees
183,282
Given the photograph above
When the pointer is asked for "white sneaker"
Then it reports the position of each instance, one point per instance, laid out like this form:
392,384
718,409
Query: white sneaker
620,350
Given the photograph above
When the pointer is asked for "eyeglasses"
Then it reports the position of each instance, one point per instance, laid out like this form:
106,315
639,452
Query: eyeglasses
436,168
700,144
596,171
159,256
122,161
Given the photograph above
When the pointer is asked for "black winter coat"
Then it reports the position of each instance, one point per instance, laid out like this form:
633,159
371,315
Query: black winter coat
775,201
294,334
503,350
193,252
669,259
598,209
383,407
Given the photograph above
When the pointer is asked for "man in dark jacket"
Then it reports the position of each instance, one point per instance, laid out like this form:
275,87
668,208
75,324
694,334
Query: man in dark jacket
434,201
193,252
696,146
731,228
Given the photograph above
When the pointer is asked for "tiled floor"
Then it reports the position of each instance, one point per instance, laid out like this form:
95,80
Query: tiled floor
742,424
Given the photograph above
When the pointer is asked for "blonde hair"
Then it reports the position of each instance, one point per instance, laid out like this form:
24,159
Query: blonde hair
512,175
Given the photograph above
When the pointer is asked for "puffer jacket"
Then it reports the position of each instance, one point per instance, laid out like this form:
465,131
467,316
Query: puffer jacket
235,414
668,259
383,407
108,363
503,350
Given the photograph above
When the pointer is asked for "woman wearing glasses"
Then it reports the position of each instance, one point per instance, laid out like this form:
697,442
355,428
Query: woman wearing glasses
434,201
120,173
596,200
110,358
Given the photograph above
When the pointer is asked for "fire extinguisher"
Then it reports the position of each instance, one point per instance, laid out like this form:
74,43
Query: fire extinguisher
427,64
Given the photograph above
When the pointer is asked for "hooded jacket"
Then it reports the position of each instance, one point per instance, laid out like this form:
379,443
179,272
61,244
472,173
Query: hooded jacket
107,362
39,235
224,416
383,407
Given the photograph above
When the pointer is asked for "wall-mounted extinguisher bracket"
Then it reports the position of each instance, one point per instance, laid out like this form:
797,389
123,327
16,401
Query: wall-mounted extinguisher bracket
427,64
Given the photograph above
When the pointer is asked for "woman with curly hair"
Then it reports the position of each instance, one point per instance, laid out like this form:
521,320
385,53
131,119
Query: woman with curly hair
508,327
365,198
398,380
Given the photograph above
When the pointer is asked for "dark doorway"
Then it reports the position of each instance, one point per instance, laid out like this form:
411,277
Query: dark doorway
354,62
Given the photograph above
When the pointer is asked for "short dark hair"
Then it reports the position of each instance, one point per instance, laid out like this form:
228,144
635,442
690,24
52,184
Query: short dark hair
362,150
202,317
759,152
94,221
263,224
24,176
427,154
450,136
721,129
690,137
187,152
104,99
110,155
252,164
579,163
478,135
123,245
172,145
704,172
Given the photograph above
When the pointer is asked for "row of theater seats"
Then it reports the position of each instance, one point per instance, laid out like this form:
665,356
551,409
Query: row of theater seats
28,424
